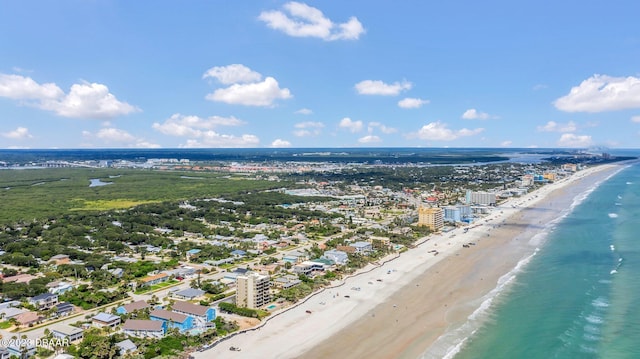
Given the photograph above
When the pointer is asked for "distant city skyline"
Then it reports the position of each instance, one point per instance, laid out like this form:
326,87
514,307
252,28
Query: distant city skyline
140,74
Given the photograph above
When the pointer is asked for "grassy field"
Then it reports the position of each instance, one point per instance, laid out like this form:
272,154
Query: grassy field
39,193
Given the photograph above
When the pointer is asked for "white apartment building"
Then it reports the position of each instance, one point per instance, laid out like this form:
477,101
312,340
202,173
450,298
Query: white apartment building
253,290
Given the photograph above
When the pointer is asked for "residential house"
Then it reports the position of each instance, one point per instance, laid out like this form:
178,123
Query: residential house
62,331
44,301
28,318
173,320
188,294
295,257
238,253
102,320
132,307
59,287
60,259
338,257
287,281
143,328
10,312
19,278
26,350
63,309
362,247
126,347
201,314
308,267
155,279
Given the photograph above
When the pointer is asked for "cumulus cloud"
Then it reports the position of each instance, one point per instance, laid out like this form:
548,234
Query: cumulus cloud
353,126
115,137
376,87
247,87
211,139
438,131
572,140
635,119
20,133
201,131
18,87
473,114
384,129
85,100
506,143
370,139
304,111
553,126
181,125
231,74
412,103
302,20
602,93
308,128
279,143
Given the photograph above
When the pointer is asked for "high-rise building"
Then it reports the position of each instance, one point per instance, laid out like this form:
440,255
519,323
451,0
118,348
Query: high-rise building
431,217
253,290
481,198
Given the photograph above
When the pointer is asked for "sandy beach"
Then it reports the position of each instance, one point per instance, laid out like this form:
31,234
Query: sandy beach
417,301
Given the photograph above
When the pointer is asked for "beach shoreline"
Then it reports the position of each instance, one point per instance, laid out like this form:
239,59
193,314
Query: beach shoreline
420,300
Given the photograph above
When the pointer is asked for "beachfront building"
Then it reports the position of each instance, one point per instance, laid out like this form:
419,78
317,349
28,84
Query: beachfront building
338,257
143,328
308,267
363,247
201,315
452,214
432,217
102,320
480,198
172,320
253,290
132,307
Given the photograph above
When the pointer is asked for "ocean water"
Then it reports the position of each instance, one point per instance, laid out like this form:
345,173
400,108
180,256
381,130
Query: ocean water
579,296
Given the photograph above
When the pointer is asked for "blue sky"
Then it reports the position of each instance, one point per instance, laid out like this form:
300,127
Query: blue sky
170,74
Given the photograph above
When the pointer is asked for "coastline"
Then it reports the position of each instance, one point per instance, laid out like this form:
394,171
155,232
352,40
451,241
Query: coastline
420,300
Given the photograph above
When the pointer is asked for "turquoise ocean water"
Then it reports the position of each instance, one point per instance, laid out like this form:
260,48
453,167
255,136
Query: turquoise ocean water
579,296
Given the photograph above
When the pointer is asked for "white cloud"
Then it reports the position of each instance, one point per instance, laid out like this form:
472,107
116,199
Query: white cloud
473,114
180,125
115,137
89,100
254,94
86,100
280,143
635,119
304,111
20,133
376,87
602,93
309,124
438,131
506,143
370,139
572,140
213,139
412,103
353,126
232,74
308,128
201,134
18,87
302,20
384,129
539,87
553,126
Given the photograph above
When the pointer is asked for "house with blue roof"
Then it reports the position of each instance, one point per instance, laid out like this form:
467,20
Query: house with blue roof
173,320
